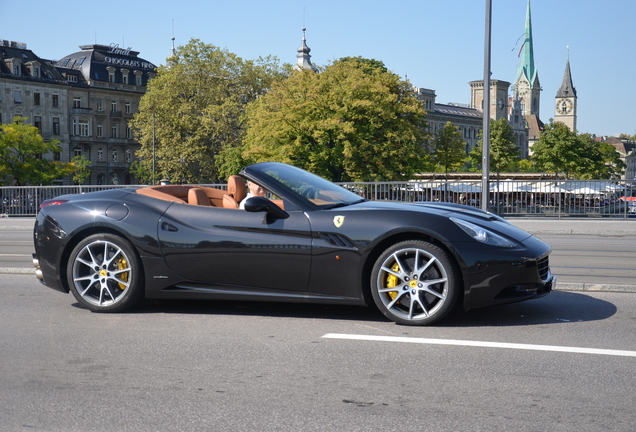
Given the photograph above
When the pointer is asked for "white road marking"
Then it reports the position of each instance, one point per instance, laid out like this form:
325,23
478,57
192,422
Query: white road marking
565,349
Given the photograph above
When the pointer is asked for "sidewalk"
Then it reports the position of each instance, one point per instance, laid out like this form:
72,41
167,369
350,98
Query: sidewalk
583,226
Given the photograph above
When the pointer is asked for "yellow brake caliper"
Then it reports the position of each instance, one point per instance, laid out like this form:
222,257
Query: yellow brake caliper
123,264
393,281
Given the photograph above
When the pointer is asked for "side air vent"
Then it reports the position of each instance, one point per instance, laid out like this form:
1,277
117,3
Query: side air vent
337,240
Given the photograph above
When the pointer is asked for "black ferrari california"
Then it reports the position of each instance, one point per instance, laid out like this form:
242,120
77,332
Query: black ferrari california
308,240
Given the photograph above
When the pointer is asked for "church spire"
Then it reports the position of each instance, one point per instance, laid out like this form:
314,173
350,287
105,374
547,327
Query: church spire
304,59
172,59
527,67
567,86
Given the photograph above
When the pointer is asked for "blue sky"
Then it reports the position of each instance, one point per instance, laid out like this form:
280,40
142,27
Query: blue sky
436,44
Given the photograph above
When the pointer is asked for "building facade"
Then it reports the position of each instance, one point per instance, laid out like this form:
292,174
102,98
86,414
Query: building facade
105,86
468,120
33,88
85,100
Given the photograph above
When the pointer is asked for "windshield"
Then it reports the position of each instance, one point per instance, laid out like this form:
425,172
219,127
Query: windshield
315,189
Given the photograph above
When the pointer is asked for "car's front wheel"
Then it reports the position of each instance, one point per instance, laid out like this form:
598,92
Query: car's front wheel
415,283
104,273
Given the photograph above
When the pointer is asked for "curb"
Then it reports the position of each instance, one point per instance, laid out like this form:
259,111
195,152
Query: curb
595,287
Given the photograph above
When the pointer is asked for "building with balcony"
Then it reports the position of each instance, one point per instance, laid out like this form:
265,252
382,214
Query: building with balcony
85,100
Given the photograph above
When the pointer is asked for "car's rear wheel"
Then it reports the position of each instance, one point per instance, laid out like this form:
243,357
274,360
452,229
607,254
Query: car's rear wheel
415,283
104,273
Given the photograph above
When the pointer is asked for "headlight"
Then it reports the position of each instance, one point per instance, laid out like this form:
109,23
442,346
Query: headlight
483,235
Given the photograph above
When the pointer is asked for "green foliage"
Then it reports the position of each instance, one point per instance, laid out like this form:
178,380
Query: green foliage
448,148
504,154
79,169
142,171
193,110
561,150
21,150
354,121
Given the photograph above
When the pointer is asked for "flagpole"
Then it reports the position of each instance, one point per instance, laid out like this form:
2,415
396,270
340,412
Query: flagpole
485,164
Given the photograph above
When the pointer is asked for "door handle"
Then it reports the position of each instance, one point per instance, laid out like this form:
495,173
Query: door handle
166,226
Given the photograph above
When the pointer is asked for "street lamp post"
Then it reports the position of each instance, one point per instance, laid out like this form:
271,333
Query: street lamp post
153,148
485,164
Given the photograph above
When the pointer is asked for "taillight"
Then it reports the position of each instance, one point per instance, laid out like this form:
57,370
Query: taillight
51,202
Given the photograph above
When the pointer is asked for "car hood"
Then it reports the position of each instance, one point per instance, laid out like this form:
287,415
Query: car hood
446,210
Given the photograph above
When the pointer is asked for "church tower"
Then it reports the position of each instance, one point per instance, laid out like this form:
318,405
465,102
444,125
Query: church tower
527,87
566,100
304,59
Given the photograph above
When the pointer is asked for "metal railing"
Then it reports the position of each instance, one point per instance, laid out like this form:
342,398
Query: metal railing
553,199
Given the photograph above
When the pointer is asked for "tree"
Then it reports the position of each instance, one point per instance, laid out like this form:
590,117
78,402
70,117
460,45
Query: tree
561,150
504,154
354,121
448,148
79,168
611,165
21,150
194,108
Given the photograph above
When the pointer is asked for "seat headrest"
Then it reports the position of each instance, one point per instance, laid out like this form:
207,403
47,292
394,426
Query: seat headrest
197,196
236,188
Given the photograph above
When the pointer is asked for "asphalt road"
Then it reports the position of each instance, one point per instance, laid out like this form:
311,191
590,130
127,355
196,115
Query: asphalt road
565,362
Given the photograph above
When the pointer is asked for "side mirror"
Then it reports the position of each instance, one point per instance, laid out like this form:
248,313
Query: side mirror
259,204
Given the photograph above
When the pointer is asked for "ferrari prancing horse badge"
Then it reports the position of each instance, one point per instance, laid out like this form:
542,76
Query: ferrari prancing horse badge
338,221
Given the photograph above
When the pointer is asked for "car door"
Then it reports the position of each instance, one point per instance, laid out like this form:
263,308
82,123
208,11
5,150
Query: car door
236,248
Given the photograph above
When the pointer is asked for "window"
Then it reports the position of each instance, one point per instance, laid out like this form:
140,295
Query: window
113,131
71,78
115,156
138,80
17,96
55,101
128,132
83,128
77,151
100,105
37,122
77,102
80,128
56,126
127,108
36,72
100,155
111,74
128,155
113,106
100,131
36,98
16,69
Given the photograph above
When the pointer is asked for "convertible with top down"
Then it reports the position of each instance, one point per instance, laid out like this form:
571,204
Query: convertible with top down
309,240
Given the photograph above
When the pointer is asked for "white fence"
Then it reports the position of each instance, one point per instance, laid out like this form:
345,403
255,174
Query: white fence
601,198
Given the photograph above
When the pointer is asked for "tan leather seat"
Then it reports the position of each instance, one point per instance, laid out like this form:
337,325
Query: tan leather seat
235,192
197,196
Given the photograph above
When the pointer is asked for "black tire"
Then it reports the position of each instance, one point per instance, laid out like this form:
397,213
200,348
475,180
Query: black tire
105,274
415,283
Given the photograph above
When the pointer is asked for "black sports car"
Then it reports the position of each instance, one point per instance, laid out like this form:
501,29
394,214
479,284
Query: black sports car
308,241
